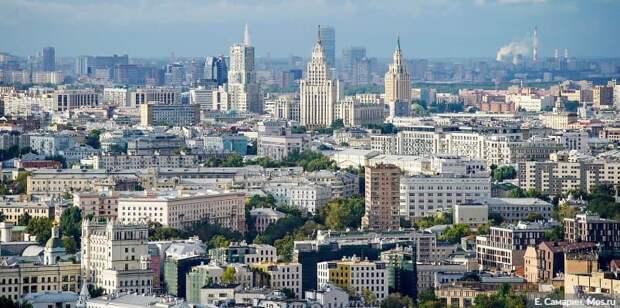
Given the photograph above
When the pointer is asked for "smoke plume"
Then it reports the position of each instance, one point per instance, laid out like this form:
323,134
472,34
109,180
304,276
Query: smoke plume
514,48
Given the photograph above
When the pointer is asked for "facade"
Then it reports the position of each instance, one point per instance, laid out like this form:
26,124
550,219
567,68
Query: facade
115,256
306,197
244,253
545,261
278,276
180,210
327,35
381,198
50,145
422,196
397,79
21,278
263,217
354,113
97,204
592,228
160,95
318,92
517,209
73,99
278,147
503,249
14,209
472,214
141,162
169,115
355,274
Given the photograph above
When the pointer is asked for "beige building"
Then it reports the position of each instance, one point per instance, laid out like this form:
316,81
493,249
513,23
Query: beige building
558,120
279,147
20,278
318,92
471,214
596,282
382,198
354,113
179,210
14,209
115,256
397,79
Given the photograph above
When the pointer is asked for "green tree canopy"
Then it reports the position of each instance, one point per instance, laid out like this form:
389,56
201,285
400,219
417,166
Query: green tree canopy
397,300
41,227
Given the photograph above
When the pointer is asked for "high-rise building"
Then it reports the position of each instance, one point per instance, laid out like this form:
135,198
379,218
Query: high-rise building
318,93
115,256
327,35
397,79
382,198
216,70
350,56
243,92
49,59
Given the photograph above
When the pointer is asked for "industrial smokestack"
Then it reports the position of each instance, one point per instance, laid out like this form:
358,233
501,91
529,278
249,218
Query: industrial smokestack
535,45
557,54
565,53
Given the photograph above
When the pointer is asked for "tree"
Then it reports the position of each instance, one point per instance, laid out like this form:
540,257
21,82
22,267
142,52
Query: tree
41,227
564,210
340,214
502,173
218,241
92,139
397,300
555,234
455,232
503,297
228,276
6,302
95,291
534,217
495,219
70,244
71,223
20,184
24,219
337,124
369,297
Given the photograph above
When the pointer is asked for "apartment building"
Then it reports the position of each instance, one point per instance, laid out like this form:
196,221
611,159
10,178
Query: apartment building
504,247
308,197
423,195
514,210
154,114
592,228
278,276
137,162
180,210
545,261
278,147
102,204
355,274
115,256
13,208
244,253
20,277
381,198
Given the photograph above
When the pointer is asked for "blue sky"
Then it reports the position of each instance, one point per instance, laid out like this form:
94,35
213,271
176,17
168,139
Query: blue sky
429,28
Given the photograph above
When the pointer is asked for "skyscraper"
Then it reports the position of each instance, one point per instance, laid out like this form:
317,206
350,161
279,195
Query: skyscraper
382,198
328,38
49,59
318,93
216,70
243,89
397,79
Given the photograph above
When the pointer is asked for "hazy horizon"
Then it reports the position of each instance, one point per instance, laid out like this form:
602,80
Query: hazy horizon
437,29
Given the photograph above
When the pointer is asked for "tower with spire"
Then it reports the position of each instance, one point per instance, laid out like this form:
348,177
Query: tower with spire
242,91
318,92
397,78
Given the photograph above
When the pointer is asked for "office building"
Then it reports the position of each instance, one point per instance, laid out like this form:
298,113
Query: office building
49,59
318,93
73,99
153,114
327,34
278,276
216,70
382,198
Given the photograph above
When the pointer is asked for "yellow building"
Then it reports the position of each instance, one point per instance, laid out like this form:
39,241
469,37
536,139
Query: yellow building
278,276
18,279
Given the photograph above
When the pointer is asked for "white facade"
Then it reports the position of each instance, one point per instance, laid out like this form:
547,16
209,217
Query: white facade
356,274
426,195
308,197
179,210
471,214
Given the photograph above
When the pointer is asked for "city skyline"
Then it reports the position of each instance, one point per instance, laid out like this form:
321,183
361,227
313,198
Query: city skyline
479,28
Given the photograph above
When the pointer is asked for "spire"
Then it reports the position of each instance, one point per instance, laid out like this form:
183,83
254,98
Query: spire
318,35
398,42
246,36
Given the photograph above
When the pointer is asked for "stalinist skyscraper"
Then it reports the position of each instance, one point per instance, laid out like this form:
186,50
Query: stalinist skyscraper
243,92
397,79
318,93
